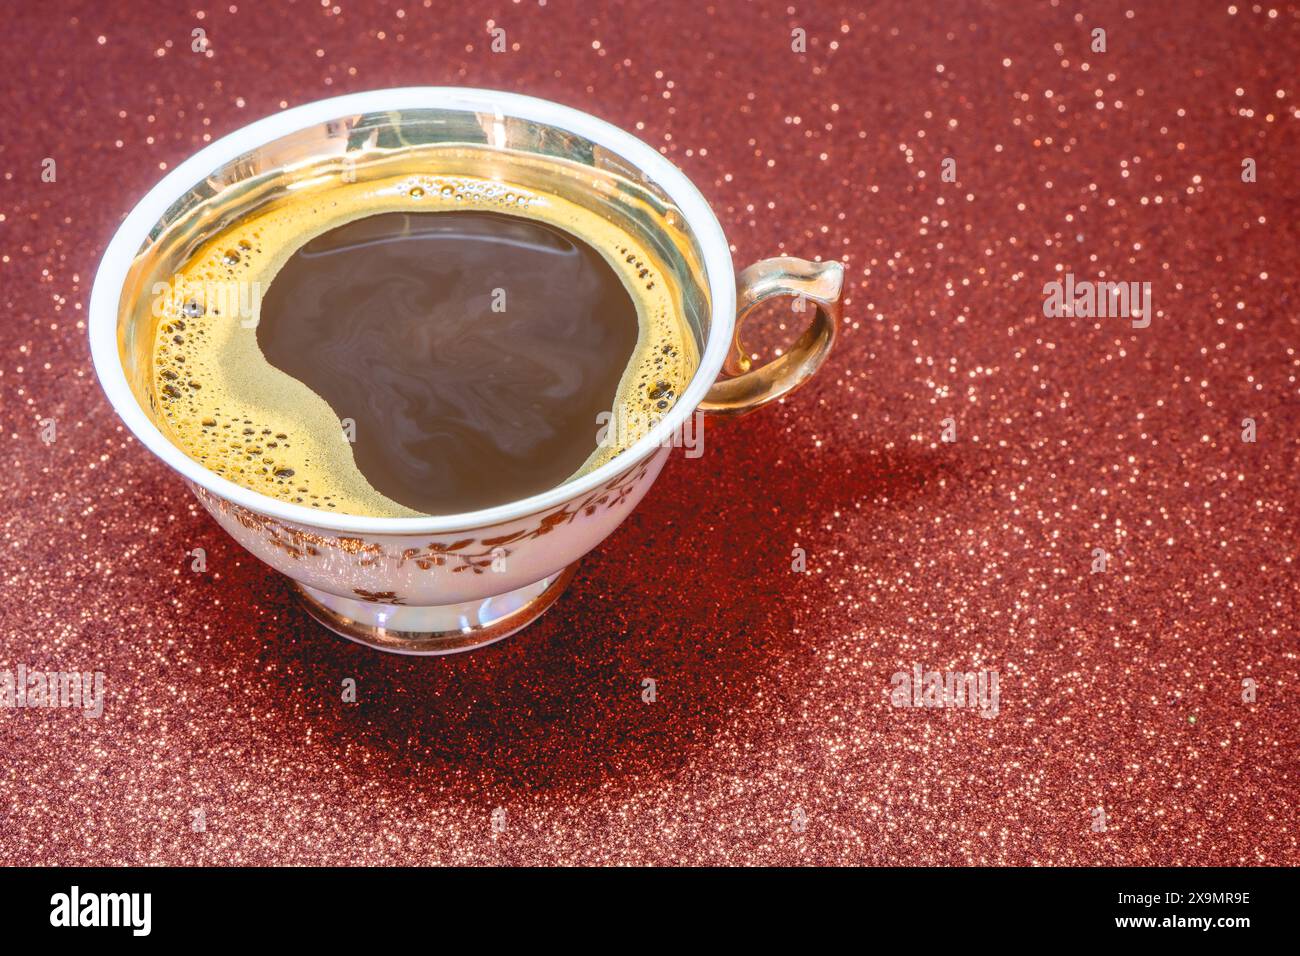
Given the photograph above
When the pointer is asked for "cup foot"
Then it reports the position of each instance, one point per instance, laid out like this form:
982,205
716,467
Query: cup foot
439,629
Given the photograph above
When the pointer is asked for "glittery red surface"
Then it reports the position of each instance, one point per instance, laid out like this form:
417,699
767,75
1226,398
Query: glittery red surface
772,738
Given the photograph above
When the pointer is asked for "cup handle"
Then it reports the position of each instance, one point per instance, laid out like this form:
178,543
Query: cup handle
741,389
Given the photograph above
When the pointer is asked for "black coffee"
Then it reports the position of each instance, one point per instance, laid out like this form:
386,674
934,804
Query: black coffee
473,350
466,334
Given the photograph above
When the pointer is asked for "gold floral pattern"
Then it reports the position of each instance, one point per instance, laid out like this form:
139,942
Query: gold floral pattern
378,597
297,543
474,555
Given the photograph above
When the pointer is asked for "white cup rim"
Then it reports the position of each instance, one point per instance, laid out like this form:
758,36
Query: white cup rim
110,279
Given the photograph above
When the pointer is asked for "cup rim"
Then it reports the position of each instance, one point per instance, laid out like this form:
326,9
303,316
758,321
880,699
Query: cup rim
111,276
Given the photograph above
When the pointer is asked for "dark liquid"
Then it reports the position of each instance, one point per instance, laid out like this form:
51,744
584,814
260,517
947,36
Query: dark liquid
391,320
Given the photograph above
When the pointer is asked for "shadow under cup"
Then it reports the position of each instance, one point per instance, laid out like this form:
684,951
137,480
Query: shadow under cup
457,584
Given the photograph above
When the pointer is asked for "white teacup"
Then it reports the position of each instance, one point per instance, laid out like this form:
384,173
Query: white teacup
442,584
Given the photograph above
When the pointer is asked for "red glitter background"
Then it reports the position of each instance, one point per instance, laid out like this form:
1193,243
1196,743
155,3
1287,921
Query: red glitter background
1121,690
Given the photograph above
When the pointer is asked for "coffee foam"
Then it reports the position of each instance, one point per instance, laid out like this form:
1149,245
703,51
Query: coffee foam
236,414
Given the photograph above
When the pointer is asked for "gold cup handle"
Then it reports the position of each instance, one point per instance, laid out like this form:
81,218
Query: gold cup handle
818,287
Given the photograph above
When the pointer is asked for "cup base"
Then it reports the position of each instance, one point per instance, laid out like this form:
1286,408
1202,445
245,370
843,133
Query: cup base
437,629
